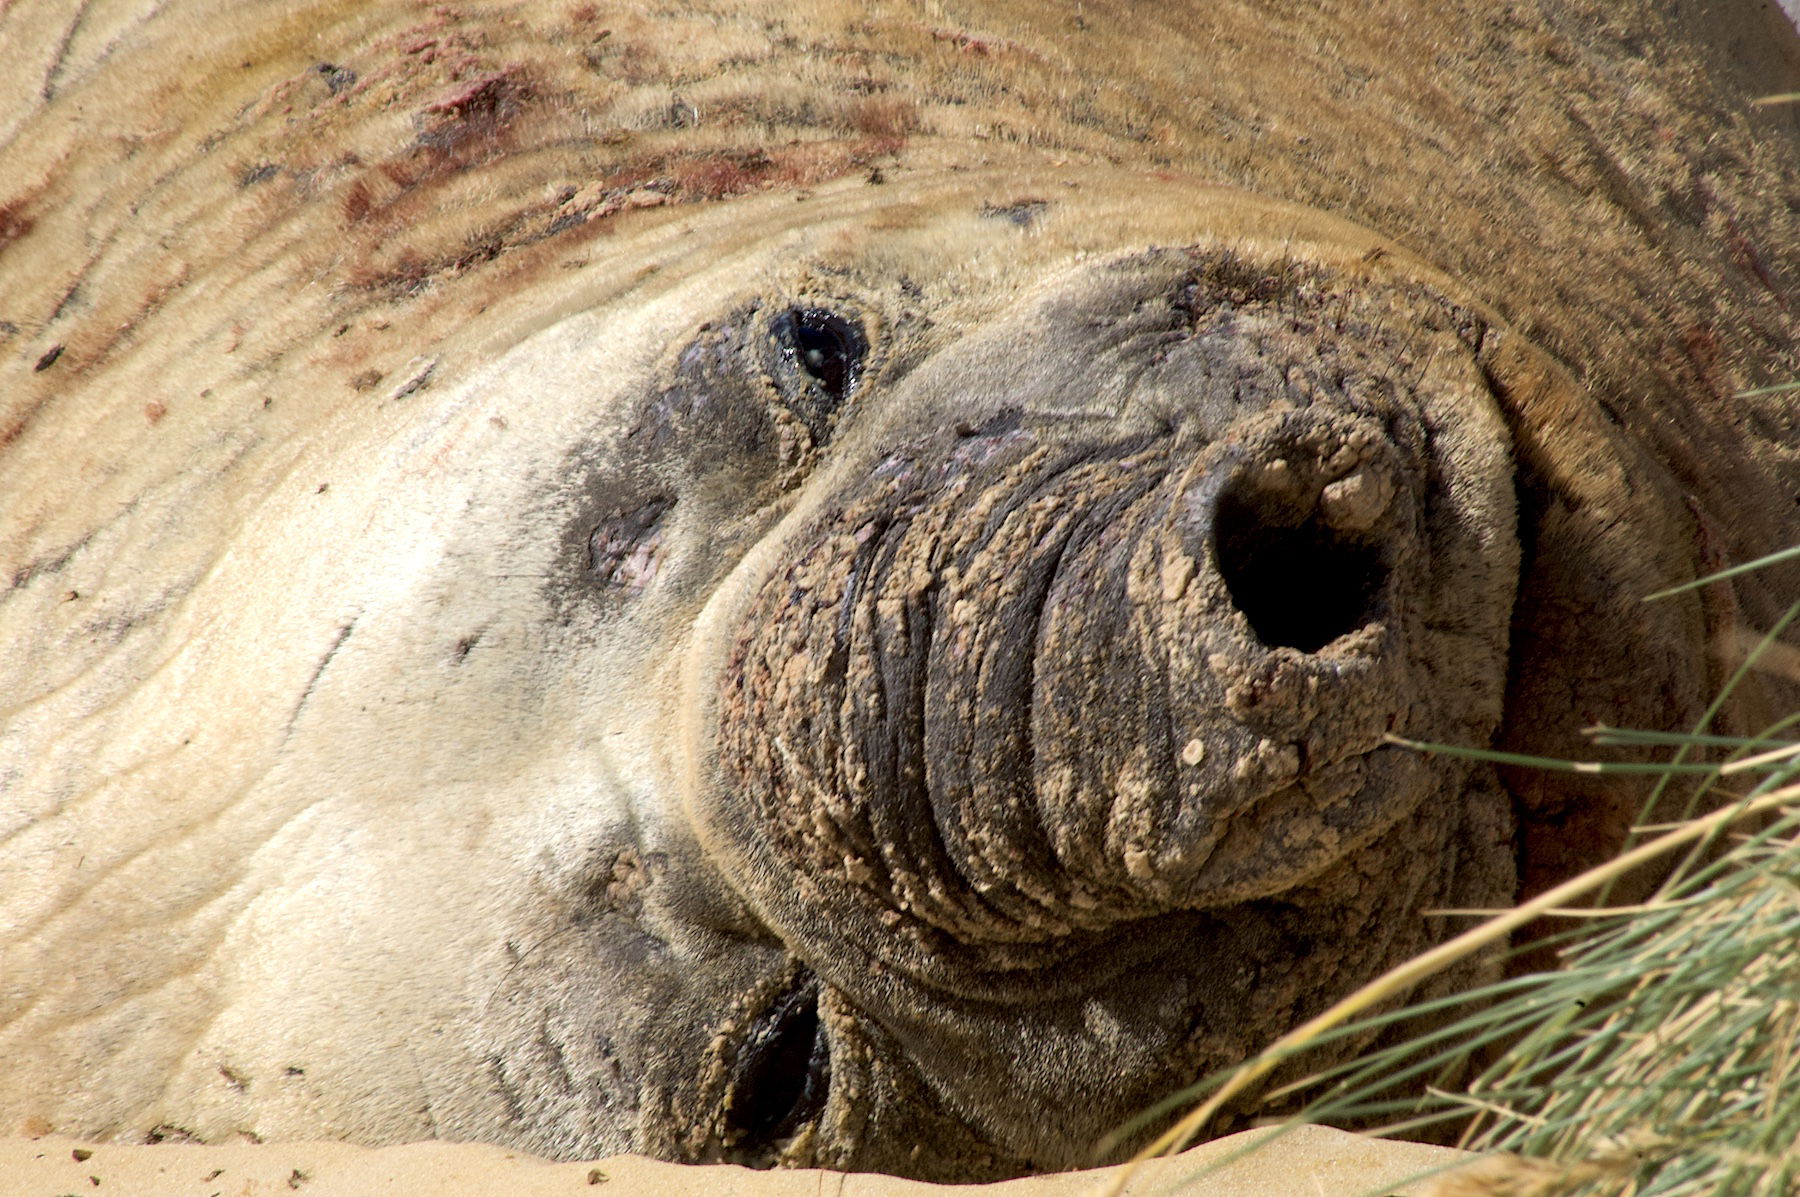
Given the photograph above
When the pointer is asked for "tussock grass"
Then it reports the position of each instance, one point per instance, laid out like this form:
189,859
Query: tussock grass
1659,1058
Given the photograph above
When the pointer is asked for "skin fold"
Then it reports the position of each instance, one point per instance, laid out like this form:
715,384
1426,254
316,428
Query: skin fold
830,585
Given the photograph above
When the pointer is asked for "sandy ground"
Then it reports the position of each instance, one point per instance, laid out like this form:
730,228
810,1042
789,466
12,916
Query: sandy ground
1307,1162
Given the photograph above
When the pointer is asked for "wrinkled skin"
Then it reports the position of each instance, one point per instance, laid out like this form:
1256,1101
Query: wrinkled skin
1027,702
885,654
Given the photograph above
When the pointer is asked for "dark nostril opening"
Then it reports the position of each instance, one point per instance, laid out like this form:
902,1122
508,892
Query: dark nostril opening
1300,582
782,1075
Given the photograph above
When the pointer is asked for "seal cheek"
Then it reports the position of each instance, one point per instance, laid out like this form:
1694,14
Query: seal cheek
708,456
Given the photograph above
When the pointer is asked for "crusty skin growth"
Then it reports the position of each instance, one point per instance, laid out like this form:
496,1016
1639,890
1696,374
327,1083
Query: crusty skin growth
828,585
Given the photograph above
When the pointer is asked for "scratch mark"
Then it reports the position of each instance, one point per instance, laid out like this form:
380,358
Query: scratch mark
324,662
48,91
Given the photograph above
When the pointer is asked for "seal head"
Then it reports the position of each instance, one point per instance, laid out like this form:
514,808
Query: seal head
1046,723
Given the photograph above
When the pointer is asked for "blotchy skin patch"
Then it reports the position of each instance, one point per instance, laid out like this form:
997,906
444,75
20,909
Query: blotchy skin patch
624,550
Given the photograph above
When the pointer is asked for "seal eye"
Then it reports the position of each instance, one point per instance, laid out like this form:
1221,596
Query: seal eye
826,352
783,1072
823,353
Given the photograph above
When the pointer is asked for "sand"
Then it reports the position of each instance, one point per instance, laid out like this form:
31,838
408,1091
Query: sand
1307,1162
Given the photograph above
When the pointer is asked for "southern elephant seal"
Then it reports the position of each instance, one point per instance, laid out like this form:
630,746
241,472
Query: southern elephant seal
828,586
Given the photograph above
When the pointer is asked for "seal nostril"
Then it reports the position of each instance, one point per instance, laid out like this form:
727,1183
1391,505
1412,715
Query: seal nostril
1299,580
782,1075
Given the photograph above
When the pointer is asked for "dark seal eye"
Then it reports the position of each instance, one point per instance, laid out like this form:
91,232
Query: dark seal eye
823,355
781,1078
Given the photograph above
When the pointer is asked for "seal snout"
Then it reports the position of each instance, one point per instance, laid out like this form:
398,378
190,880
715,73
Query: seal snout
1285,577
1021,686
